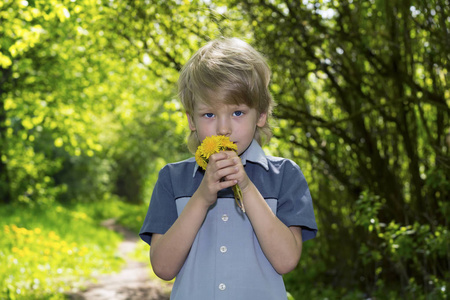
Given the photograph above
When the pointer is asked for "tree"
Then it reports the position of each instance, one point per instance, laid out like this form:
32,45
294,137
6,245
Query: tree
361,89
54,100
88,108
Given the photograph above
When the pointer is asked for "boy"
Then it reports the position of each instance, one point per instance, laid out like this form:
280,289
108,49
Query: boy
196,231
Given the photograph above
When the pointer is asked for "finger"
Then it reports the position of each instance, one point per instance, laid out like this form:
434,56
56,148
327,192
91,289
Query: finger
231,153
235,174
225,163
218,156
227,183
223,174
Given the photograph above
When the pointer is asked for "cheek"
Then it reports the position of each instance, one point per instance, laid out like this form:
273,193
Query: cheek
203,132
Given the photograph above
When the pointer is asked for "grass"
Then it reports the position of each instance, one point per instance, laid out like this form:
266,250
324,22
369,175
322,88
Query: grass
46,251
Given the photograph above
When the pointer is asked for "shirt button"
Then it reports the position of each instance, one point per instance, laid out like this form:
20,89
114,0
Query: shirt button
223,249
224,218
222,287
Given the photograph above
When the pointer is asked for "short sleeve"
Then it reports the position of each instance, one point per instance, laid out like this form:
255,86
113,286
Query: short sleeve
295,207
162,211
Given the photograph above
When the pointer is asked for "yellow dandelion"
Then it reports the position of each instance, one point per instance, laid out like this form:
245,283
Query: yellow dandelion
226,144
200,160
215,144
84,250
210,146
199,151
53,236
23,231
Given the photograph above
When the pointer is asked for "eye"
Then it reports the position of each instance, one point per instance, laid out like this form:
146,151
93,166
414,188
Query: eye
208,115
238,113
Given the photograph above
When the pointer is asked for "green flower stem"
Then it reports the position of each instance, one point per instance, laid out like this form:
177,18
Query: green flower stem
238,197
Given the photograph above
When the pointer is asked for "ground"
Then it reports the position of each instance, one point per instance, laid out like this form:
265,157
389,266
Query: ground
133,282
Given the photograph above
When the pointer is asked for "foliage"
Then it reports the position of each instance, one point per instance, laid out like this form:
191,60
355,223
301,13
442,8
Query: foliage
362,90
64,118
46,251
415,252
88,110
45,115
128,215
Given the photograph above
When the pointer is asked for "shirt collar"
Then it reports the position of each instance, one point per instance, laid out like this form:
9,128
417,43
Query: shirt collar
254,153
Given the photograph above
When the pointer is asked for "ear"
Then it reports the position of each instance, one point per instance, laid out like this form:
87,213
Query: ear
191,122
261,120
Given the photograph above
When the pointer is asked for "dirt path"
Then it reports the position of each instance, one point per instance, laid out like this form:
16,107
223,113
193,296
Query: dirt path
132,283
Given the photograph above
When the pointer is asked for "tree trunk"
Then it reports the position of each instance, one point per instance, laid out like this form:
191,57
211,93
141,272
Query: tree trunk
5,191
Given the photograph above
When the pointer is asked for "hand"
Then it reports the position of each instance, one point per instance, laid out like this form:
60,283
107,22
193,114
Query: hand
239,175
221,172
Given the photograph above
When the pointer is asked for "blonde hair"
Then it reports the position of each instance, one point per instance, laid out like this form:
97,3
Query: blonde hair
231,68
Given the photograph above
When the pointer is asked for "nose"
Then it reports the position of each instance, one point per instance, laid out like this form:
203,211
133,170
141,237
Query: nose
224,127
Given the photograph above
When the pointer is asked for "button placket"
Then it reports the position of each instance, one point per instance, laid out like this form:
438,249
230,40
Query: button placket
223,249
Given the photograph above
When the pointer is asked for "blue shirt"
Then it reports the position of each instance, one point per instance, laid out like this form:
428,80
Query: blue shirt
226,260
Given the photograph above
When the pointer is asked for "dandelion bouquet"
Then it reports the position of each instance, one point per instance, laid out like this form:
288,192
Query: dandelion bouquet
215,144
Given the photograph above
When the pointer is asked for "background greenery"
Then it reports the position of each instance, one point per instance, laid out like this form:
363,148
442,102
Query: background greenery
89,114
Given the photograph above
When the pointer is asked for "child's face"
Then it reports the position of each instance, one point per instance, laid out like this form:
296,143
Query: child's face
238,122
